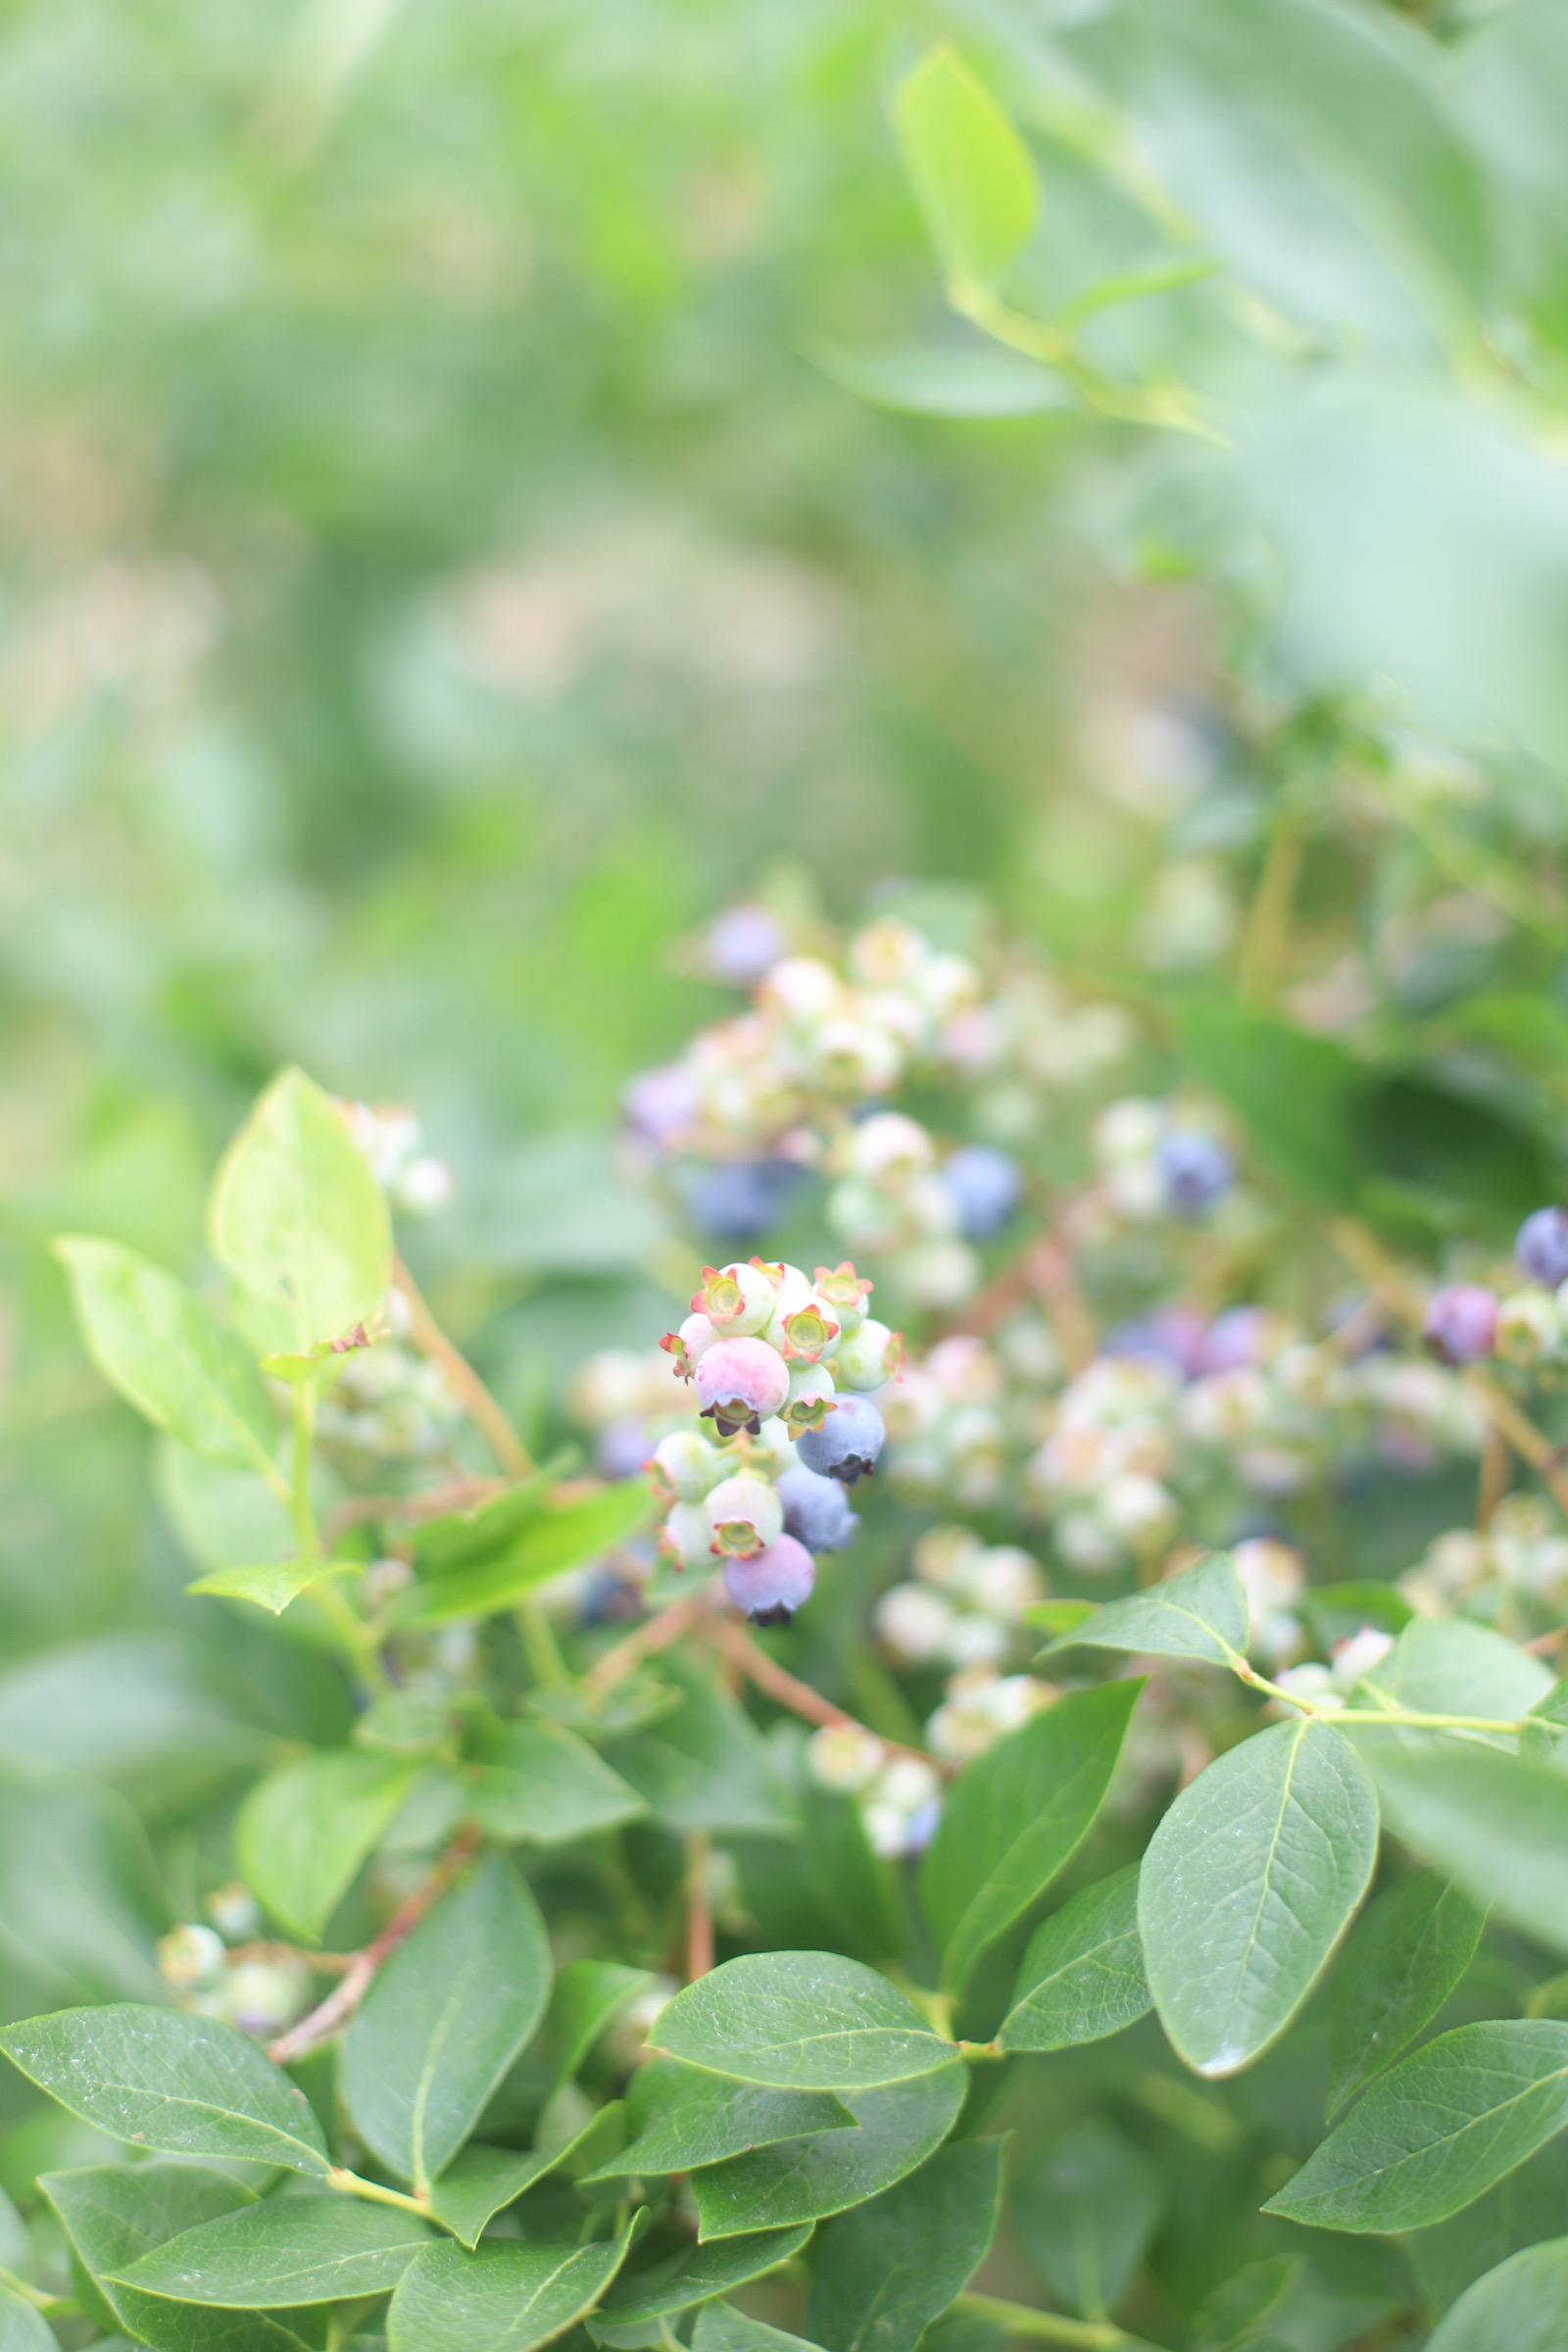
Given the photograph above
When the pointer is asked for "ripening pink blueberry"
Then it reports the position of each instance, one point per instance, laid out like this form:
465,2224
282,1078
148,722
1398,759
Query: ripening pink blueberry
741,1384
1461,1323
773,1584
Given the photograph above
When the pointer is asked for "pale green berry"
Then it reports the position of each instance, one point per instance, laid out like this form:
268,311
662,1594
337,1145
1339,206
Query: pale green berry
689,1465
743,1516
868,1358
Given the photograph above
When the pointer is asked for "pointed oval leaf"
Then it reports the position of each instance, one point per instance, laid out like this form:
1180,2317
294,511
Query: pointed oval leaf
445,2019
285,2251
587,1995
896,2127
801,2020
1017,1816
1084,2212
22,2329
302,1832
481,2181
1247,1885
166,2080
112,2214
553,1540
971,173
1200,1614
682,2117
895,2264
707,2271
1497,1824
703,1766
157,1344
1437,2129
1522,2306
720,2328
501,2298
1449,1666
543,1782
273,1584
1525,2209
1406,1956
1082,1977
299,1220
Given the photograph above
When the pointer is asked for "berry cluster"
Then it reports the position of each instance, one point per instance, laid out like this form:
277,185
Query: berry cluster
1466,1321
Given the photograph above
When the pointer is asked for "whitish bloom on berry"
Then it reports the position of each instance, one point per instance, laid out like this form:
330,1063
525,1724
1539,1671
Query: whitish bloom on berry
887,952
1356,1655
941,1555
745,1515
1140,1511
1460,1323
1002,1579
425,1187
807,1334
844,1293
888,1150
740,1384
773,1584
915,1623
948,986
1127,1131
687,1538
689,1343
974,1641
1311,1682
1273,1577
816,1511
1529,1327
811,1399
737,1300
869,1357
852,1057
1224,1407
844,1756
849,1443
802,991
190,1957
686,1465
980,1708
940,1275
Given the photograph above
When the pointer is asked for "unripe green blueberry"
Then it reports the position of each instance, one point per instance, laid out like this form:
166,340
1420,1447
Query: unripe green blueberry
870,1357
772,1452
745,1515
844,1292
737,1300
1529,1327
807,1334
888,1150
687,1540
689,1343
687,1464
810,1398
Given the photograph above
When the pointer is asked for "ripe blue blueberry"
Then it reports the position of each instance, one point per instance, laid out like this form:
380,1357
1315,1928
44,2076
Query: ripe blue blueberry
739,1200
847,1445
1195,1170
1542,1247
1172,1336
773,1584
743,943
986,1187
816,1511
1461,1323
661,1104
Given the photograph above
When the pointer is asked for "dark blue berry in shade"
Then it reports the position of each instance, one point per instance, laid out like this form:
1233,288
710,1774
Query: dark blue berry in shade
1542,1247
773,1583
743,943
621,1449
847,1445
816,1511
1171,1336
986,1188
1461,1323
739,1200
1195,1170
659,1104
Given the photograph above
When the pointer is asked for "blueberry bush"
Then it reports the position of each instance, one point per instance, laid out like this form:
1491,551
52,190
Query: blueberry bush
909,1691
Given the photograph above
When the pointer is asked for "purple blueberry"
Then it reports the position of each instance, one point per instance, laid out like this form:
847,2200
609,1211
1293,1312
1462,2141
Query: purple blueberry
661,1104
1461,1323
739,1200
740,1384
773,1584
847,1445
1234,1340
1542,1247
1195,1170
743,943
1172,1334
621,1449
986,1188
816,1511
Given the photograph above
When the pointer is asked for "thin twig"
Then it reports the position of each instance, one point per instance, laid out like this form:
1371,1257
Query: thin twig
434,1503
1496,1467
270,1950
341,2003
800,1697
1045,2327
1045,1272
480,1407
699,1906
657,1634
1527,1441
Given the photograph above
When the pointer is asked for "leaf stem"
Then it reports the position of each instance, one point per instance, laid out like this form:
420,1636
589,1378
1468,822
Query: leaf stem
353,2184
1045,2327
482,1409
699,1905
543,1651
1398,1718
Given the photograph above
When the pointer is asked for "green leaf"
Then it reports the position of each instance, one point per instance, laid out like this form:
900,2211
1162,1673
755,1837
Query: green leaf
1085,2213
273,1584
801,2020
1301,1097
1082,1977
464,1539
302,1832
587,1995
1200,1614
78,1895
805,2180
705,1765
1525,2209
682,2117
1437,2129
553,1540
943,380
502,2297
287,2250
544,1783
156,1342
1497,1823
1247,1885
1017,1816
113,2214
1335,1612
971,173
1406,1957
299,1220
1522,2306
184,2084
22,2329
481,2181
444,2020
1447,1666
890,2267
720,2328
707,2271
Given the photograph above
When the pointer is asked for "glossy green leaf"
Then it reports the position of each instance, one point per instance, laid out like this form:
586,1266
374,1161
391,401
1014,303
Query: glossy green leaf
693,2277
888,2269
78,1893
682,2117
114,2214
1522,2306
544,1783
1497,1823
157,1344
184,2084
1017,1816
1200,1614
588,1994
705,1766
720,2328
1247,1885
1406,1957
1083,1974
1437,2129
273,1584
502,2297
1447,1666
1525,2209
970,170
285,2251
1301,1097
462,1538
302,1832
22,2328
444,2020
945,380
896,2127
801,2020
299,1220
481,2181
553,1540
1085,2212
